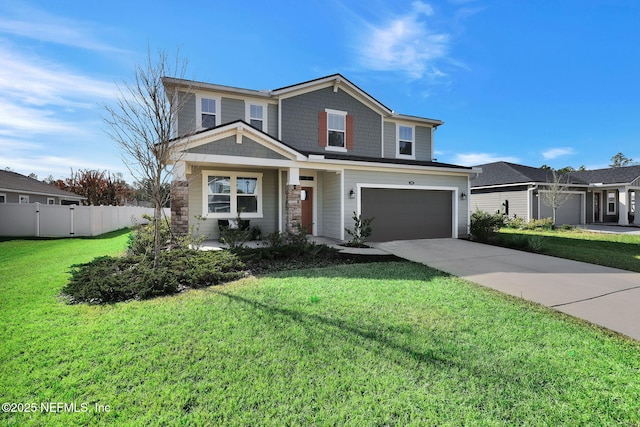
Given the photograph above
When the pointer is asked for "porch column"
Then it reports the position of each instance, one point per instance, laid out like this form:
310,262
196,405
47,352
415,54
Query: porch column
636,218
293,201
179,200
623,206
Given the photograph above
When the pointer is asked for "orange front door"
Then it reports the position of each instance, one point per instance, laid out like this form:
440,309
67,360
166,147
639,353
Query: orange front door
307,209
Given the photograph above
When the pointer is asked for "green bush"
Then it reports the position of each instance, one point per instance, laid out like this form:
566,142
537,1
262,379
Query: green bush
484,225
536,224
141,239
109,279
361,231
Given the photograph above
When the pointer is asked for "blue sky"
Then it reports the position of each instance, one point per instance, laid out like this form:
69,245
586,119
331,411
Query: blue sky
528,81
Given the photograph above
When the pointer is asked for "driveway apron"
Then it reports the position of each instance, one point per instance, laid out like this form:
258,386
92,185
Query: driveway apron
605,296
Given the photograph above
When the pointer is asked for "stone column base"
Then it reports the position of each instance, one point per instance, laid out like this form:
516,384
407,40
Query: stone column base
180,208
293,208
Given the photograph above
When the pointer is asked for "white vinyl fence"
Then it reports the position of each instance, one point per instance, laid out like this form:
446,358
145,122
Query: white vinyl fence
35,219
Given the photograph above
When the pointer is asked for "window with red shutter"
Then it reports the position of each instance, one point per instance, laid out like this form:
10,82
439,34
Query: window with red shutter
322,128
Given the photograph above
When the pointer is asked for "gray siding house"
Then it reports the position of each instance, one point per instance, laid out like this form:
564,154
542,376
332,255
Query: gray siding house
310,154
595,196
17,188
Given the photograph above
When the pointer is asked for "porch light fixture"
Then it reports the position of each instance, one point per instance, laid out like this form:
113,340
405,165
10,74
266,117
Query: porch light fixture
352,194
463,196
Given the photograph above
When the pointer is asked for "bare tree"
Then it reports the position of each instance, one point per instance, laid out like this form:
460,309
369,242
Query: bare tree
557,193
142,122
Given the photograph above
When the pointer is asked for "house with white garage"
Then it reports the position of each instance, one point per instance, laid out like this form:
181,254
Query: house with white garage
310,154
595,196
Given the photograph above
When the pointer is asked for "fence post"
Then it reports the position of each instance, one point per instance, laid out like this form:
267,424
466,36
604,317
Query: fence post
71,211
37,219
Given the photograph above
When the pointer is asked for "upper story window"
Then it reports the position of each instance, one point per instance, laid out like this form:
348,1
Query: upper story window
208,112
406,141
256,116
336,128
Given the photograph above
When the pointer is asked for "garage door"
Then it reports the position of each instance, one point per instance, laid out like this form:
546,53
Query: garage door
403,214
568,213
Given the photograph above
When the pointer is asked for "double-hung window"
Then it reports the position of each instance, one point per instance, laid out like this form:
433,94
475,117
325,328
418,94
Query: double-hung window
336,128
256,116
612,203
209,110
228,194
406,142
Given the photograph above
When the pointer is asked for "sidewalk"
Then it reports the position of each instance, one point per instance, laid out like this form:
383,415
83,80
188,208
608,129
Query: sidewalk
605,296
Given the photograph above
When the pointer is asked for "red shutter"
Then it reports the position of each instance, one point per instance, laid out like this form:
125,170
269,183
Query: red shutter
322,128
349,143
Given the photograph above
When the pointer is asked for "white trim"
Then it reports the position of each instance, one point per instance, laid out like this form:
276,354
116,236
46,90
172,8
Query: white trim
4,198
199,98
454,199
51,199
342,212
411,156
247,113
233,196
20,196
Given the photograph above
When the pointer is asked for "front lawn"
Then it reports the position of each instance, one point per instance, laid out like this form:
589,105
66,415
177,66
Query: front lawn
390,343
611,250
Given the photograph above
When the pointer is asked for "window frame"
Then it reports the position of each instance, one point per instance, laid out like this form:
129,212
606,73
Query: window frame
233,195
22,197
248,118
51,200
199,112
4,197
615,202
342,114
399,155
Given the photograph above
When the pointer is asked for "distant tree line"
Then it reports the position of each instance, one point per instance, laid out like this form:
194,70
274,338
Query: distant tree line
617,161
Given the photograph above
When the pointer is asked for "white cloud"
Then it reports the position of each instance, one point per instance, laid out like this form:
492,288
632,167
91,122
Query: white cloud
32,23
472,159
405,43
38,95
557,152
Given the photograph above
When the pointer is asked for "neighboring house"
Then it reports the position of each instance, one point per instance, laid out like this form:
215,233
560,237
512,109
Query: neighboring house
311,154
596,196
17,188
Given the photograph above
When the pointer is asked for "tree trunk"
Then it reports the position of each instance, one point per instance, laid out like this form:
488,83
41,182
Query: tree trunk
156,240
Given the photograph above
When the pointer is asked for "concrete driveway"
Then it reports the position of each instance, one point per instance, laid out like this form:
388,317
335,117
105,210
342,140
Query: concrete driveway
605,296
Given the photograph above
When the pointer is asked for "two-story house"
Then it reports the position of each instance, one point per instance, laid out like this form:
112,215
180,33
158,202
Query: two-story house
312,154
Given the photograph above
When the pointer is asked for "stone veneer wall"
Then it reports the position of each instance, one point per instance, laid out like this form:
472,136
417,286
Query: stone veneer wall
293,208
180,208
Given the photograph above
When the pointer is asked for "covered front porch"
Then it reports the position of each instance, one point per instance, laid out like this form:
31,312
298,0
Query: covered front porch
613,204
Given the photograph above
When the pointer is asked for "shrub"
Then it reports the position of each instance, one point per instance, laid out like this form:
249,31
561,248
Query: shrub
535,243
361,230
485,225
541,224
141,239
109,279
517,223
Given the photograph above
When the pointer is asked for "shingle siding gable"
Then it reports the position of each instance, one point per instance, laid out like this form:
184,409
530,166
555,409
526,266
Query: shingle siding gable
300,121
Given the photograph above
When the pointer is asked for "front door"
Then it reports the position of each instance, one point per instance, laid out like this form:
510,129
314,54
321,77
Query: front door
596,207
306,194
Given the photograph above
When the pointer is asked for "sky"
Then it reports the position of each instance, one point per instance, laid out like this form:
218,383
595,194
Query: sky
529,81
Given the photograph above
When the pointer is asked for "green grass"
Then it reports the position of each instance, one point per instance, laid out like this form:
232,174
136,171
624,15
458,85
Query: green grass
372,344
611,250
